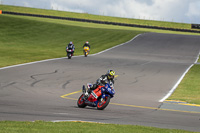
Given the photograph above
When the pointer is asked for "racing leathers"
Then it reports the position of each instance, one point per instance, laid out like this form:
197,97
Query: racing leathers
101,81
71,46
87,45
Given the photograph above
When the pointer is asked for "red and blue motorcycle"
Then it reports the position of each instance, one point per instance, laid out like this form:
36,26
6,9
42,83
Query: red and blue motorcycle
100,97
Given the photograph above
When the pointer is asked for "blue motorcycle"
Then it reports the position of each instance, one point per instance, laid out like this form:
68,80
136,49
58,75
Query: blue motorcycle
100,97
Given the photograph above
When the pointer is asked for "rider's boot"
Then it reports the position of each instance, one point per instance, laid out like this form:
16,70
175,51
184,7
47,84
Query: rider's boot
85,92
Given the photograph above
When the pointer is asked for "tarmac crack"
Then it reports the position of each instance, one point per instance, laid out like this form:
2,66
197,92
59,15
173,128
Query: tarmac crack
2,87
65,84
37,75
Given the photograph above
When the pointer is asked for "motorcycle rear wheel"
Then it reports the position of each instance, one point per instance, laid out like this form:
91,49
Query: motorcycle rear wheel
103,104
81,102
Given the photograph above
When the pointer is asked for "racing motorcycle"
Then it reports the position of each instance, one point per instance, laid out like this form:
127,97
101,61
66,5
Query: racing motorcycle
100,97
86,50
69,52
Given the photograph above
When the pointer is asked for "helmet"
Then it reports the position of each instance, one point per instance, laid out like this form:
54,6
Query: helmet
111,74
71,43
86,42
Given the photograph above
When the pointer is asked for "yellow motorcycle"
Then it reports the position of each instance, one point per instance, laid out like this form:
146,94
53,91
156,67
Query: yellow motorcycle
86,50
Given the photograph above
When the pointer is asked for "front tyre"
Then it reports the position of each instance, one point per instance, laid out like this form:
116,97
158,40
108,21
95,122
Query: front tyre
81,102
69,56
85,54
102,104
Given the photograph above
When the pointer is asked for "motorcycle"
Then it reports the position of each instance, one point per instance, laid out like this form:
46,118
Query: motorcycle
86,50
69,52
100,97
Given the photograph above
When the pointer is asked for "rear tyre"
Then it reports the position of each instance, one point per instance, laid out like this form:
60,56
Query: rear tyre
81,102
103,104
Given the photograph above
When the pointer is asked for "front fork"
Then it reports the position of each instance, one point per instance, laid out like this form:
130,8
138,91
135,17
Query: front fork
83,89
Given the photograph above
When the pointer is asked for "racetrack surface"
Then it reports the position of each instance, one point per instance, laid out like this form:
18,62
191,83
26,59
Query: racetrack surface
147,68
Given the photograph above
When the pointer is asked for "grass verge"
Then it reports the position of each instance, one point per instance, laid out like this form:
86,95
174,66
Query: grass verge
27,39
189,88
77,127
95,17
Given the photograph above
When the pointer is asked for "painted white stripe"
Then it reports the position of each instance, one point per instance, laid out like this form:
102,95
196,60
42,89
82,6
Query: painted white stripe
176,85
66,57
116,46
76,121
30,63
197,57
36,62
64,120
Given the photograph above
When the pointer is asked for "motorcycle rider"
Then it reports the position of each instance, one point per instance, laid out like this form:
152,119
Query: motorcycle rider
107,78
86,44
71,46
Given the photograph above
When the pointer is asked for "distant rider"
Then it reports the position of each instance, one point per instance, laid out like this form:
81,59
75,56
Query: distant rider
107,78
86,44
71,46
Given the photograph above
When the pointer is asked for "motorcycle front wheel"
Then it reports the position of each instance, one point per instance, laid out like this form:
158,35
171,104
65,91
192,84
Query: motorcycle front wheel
85,54
81,102
102,104
69,57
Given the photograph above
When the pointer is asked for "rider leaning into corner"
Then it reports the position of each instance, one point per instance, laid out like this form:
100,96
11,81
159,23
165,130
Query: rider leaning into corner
107,78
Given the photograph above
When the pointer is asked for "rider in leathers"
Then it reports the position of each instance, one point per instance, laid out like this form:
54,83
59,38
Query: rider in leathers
86,44
107,78
71,46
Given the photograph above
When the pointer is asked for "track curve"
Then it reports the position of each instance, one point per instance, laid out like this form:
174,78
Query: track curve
148,67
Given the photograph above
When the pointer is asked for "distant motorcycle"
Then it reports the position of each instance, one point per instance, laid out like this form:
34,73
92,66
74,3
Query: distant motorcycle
69,52
100,97
86,50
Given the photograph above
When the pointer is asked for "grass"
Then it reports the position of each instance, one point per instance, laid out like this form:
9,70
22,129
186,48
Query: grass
27,39
95,17
30,39
77,127
189,88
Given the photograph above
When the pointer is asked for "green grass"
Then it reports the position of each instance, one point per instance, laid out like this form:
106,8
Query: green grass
95,17
189,88
77,127
27,39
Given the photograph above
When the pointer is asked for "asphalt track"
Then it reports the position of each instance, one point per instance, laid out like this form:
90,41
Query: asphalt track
147,67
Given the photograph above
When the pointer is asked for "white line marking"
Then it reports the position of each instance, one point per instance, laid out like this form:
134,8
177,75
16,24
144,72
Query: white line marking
30,63
163,99
116,46
176,85
64,120
148,62
66,57
36,62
